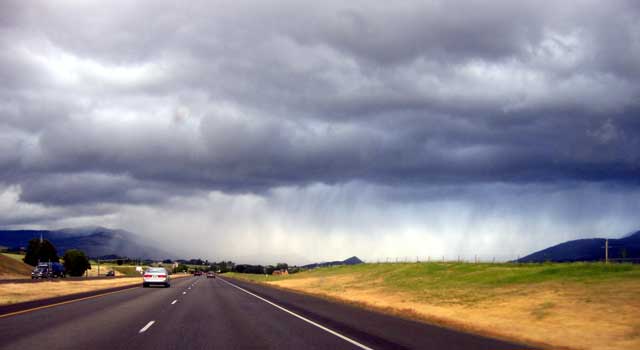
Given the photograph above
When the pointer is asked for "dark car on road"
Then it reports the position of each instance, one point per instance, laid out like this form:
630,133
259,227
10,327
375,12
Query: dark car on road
197,273
110,273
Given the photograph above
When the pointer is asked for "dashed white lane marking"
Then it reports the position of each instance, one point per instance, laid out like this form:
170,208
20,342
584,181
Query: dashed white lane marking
183,293
362,346
144,329
175,301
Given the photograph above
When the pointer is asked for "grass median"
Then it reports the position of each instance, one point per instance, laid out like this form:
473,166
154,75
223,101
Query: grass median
11,293
579,305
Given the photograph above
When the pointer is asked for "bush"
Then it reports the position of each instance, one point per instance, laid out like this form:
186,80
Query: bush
181,268
76,262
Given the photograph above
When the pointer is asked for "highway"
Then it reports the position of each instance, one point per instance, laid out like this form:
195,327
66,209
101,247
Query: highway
201,313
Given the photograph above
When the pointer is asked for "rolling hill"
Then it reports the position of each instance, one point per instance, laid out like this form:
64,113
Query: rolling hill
621,249
94,241
13,268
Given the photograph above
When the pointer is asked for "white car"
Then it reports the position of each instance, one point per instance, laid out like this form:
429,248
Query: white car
155,275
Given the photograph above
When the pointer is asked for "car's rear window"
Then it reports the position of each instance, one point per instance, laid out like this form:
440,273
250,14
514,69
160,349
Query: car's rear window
156,270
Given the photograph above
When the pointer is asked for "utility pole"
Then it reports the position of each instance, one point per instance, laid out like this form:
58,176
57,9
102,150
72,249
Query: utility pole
606,251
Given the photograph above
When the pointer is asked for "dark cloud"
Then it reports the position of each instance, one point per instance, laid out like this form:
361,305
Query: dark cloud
446,90
78,189
137,104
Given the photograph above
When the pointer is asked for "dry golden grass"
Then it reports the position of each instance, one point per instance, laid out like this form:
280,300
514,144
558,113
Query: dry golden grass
93,272
11,293
595,315
11,267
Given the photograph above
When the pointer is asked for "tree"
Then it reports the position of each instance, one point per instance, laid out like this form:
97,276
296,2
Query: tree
180,268
225,266
255,269
76,262
40,251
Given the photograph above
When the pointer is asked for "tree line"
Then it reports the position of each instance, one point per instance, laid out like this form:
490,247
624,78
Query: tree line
230,266
265,269
75,261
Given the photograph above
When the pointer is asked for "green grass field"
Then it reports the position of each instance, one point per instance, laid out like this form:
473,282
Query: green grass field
563,305
420,275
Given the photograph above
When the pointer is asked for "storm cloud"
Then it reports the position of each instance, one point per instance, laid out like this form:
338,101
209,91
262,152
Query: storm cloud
326,128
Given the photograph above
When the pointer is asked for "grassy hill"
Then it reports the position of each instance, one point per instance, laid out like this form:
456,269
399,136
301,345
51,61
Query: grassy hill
12,267
572,305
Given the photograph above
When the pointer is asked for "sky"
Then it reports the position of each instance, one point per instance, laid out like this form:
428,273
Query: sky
305,131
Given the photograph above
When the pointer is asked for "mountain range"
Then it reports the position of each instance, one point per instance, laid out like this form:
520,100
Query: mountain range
592,249
101,242
94,241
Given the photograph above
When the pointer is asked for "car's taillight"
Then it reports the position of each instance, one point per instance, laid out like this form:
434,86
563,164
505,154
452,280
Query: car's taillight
162,276
147,276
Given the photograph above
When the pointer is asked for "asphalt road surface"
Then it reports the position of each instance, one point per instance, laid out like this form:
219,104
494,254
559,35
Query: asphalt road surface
201,313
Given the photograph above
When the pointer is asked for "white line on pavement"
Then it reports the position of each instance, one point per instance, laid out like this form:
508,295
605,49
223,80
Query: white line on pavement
144,329
175,301
362,346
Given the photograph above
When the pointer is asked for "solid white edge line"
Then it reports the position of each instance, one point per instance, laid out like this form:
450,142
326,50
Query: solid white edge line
144,329
175,301
362,346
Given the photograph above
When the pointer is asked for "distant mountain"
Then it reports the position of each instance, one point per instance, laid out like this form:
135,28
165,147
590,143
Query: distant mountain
354,260
589,250
94,241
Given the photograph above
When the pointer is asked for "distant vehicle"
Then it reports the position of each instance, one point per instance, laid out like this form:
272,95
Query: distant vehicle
211,275
110,273
48,270
197,273
155,275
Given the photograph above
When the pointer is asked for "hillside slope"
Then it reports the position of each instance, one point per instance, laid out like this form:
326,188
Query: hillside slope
13,268
589,250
